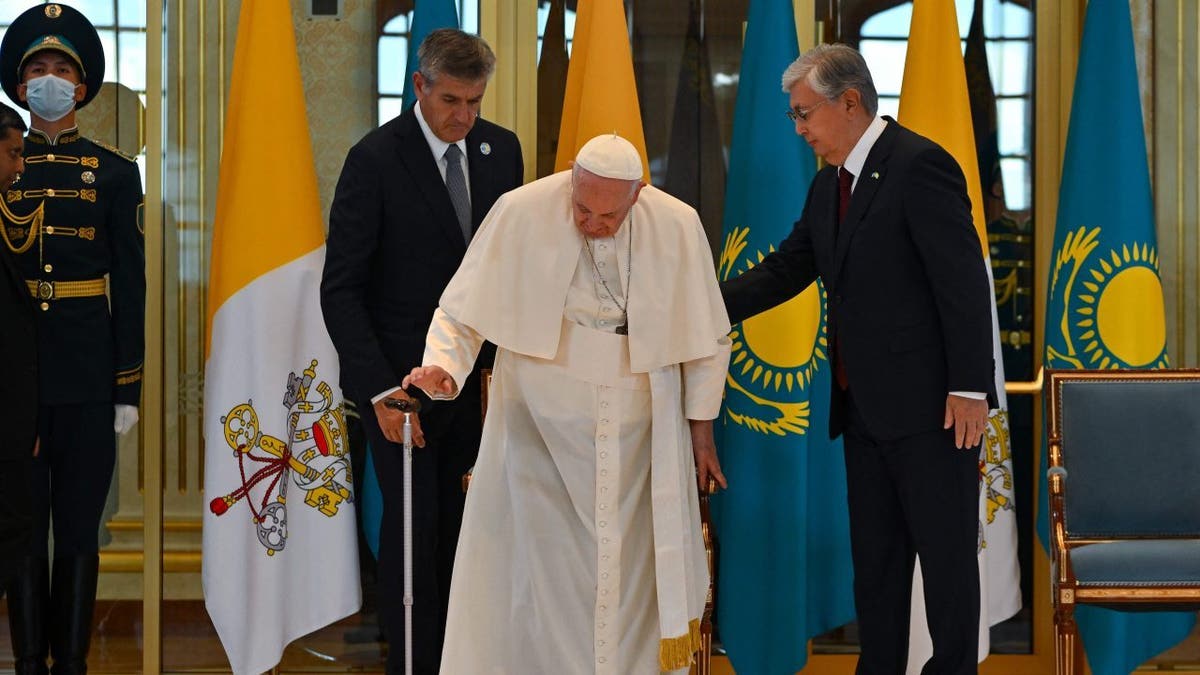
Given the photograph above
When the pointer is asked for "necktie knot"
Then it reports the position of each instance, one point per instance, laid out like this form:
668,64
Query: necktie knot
452,153
845,179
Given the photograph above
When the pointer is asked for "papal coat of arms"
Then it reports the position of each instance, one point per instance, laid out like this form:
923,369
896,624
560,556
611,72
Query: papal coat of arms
313,455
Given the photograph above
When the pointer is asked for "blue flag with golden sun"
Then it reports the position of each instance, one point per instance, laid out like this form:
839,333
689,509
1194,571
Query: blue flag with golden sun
428,16
785,573
1104,307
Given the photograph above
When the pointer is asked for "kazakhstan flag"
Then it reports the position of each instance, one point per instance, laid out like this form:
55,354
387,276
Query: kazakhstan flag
785,573
428,16
1104,308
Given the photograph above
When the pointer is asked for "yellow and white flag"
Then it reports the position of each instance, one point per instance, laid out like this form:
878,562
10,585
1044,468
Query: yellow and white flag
935,104
601,96
280,548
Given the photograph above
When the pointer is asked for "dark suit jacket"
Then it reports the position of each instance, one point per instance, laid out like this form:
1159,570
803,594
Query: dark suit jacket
18,413
907,287
394,242
18,343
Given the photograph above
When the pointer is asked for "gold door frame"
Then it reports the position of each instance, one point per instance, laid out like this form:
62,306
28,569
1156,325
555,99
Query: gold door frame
153,394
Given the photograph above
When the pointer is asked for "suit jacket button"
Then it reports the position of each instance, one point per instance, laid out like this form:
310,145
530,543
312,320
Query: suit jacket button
45,306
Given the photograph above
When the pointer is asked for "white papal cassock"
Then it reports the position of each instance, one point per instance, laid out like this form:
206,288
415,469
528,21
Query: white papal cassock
580,548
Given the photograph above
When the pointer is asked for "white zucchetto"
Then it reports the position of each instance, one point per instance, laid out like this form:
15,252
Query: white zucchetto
610,156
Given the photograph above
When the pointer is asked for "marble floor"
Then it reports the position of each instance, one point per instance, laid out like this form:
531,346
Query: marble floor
354,645
191,644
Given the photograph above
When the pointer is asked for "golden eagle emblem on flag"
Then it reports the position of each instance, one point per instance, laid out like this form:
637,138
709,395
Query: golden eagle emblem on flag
774,354
1105,320
313,455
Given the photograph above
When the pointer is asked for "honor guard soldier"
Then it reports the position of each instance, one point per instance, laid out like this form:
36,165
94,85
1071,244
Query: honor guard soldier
73,222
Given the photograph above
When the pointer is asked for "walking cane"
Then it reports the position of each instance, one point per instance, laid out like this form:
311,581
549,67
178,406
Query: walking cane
408,407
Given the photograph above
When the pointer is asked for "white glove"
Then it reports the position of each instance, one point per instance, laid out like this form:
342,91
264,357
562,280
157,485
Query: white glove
125,417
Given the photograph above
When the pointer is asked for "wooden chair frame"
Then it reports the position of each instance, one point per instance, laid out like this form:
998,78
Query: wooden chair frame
1066,588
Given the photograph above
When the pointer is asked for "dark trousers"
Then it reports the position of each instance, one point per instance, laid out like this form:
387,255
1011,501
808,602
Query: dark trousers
71,476
50,609
15,516
913,496
451,444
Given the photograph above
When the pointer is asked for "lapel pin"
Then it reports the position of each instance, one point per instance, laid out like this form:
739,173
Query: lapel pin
875,175
485,148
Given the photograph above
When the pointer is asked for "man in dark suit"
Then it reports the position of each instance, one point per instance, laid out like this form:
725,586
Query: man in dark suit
409,198
18,387
887,227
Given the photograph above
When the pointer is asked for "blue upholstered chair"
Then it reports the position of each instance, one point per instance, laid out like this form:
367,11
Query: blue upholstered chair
1124,479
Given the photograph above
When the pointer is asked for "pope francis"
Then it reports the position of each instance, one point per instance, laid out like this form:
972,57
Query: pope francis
580,549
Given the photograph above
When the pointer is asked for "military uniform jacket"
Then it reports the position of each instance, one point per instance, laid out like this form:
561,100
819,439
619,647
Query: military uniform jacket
74,223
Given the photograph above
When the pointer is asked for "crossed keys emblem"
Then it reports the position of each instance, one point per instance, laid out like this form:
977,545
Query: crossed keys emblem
313,455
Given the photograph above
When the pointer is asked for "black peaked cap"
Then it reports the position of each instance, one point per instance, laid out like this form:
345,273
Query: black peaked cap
53,26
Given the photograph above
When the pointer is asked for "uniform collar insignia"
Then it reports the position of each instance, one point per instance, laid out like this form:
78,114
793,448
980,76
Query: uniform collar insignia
64,136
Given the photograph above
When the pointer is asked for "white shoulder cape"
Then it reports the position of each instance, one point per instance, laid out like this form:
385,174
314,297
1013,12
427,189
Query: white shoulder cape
512,285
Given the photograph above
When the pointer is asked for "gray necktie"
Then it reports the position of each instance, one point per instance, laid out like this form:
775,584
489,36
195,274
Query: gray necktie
456,185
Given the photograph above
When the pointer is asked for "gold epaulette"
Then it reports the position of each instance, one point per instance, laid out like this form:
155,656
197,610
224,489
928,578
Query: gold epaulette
116,151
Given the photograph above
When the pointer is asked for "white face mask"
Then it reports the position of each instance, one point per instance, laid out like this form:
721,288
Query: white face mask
50,97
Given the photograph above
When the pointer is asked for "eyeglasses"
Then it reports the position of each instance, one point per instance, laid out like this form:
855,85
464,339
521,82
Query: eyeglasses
797,113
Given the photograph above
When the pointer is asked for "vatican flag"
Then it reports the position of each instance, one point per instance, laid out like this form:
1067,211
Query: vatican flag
934,103
601,95
280,549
